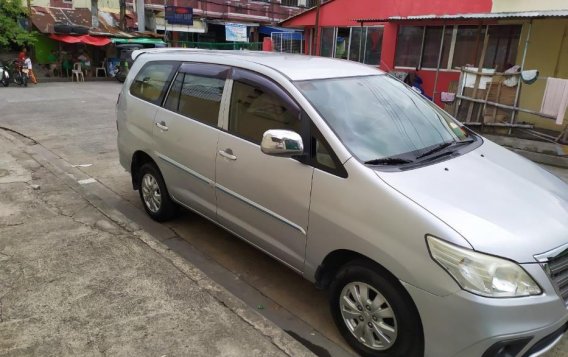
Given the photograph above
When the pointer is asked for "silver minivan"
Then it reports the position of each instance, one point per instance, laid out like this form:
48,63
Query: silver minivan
431,239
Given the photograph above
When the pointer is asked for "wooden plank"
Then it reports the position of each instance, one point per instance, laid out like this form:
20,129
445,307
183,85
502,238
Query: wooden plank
497,100
459,91
479,72
492,74
503,106
481,118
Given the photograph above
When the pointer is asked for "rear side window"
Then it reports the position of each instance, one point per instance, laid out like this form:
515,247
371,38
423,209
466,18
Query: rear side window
255,110
152,81
196,97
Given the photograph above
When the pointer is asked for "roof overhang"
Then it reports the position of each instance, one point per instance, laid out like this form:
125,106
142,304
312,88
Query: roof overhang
521,15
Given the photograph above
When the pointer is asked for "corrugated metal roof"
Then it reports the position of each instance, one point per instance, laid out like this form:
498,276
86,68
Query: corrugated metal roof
473,16
44,18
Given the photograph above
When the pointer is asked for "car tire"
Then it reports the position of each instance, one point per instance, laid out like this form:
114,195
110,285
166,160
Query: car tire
390,323
154,194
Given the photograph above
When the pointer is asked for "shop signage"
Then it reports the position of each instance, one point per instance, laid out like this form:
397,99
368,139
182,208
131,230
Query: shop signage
179,15
236,32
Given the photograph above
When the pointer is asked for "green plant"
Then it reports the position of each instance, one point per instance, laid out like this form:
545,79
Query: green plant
11,32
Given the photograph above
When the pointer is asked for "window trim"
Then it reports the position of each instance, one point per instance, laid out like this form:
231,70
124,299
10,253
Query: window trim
165,90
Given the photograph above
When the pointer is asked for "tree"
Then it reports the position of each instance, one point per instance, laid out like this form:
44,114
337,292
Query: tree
10,30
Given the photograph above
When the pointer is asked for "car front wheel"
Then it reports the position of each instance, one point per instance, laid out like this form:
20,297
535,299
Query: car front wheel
374,313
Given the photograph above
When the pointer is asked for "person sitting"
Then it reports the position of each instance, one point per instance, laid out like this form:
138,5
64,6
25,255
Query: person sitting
66,65
85,63
52,63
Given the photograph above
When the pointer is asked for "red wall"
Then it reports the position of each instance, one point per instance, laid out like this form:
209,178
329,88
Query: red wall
343,12
444,79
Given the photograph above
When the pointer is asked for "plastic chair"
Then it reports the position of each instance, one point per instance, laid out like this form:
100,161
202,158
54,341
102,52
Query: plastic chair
102,68
77,72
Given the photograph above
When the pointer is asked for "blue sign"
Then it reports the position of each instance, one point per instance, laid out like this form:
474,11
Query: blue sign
179,15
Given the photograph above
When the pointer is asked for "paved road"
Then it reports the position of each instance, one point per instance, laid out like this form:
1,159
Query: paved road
77,122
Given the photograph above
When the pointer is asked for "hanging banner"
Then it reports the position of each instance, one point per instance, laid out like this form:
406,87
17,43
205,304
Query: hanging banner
236,32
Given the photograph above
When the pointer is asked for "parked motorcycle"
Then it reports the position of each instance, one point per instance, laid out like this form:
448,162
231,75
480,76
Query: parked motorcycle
4,75
20,73
121,71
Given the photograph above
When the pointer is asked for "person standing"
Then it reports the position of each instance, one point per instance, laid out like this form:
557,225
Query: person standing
23,54
28,65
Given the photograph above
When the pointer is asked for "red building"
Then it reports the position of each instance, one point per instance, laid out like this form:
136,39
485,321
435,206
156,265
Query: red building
437,38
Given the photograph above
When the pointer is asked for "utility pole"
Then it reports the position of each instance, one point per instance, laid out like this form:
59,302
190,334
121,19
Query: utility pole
315,50
140,12
122,15
30,24
94,13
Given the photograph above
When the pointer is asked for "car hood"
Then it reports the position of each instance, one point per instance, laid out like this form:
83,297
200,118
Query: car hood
500,202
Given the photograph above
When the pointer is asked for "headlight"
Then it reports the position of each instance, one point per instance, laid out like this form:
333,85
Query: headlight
482,274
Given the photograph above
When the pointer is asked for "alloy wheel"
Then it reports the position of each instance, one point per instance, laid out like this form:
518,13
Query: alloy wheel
368,316
151,193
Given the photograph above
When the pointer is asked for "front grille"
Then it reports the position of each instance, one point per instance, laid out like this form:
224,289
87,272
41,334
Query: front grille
558,270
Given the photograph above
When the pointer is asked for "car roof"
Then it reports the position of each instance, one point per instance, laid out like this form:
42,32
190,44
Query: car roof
294,66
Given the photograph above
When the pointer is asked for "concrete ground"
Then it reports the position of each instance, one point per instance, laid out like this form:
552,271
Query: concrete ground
73,282
76,124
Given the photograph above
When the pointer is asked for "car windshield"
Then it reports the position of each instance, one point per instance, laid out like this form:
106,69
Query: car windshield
378,117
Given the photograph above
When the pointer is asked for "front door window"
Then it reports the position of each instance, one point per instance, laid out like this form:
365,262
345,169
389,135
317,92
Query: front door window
254,111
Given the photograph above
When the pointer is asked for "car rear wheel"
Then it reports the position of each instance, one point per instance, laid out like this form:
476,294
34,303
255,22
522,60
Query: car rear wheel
154,194
374,313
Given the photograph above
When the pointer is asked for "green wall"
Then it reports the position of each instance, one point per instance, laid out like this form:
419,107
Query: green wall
43,47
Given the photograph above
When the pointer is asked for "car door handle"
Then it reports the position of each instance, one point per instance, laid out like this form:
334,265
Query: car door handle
227,153
162,125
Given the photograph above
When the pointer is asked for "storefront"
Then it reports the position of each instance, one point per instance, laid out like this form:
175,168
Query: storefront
436,40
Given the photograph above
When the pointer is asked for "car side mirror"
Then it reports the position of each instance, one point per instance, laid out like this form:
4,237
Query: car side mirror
284,143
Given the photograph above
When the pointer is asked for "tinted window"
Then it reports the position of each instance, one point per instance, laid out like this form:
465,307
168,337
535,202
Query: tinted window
152,81
254,111
323,155
172,101
408,46
196,97
469,41
502,47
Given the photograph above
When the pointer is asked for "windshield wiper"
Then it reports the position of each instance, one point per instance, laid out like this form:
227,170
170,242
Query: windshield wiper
442,146
465,141
436,148
388,161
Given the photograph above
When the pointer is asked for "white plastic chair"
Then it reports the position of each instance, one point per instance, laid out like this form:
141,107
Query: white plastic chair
102,68
77,72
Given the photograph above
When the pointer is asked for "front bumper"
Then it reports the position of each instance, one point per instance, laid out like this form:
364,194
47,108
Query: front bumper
464,324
